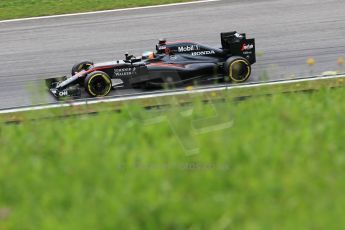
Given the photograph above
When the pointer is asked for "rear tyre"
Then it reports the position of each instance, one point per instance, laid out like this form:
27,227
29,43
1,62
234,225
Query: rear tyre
81,66
237,69
98,84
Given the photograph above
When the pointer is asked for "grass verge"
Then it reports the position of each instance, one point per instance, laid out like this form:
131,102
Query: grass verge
10,9
268,162
234,92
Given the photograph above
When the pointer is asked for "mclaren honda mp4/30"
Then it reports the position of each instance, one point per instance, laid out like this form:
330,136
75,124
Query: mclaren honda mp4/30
172,64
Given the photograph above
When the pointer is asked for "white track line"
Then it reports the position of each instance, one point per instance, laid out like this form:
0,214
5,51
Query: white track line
109,11
128,98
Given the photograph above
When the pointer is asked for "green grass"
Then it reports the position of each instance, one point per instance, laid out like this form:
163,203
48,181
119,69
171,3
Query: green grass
279,166
10,9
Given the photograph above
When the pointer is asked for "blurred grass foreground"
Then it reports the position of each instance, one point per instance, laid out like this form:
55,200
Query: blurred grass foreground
11,9
271,162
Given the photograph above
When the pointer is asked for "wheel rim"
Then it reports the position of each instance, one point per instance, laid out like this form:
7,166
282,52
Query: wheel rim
239,71
99,85
81,67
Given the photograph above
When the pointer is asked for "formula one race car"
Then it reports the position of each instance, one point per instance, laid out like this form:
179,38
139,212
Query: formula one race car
172,64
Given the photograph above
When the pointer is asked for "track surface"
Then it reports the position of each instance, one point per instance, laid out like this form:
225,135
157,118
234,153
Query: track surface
286,32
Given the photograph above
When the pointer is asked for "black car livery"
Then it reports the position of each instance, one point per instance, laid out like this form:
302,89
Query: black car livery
172,64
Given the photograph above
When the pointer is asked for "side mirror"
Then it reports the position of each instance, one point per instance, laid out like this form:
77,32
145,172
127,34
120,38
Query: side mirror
128,57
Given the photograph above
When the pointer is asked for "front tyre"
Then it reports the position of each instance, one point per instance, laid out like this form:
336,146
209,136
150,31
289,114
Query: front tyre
237,69
98,84
85,65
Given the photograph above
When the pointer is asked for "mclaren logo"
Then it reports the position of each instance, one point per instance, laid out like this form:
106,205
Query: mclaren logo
201,53
190,48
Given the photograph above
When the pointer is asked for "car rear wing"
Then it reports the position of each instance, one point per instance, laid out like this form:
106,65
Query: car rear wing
238,45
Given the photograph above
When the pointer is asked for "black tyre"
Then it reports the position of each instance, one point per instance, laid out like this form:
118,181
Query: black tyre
98,84
81,66
237,69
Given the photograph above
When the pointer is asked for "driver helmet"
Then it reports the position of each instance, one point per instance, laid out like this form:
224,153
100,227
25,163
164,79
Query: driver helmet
148,55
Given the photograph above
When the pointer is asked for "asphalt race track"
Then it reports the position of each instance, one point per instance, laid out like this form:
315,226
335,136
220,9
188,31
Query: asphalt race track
287,32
